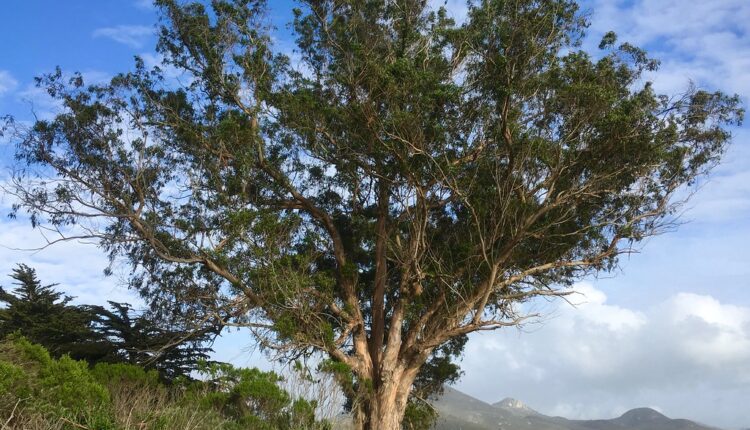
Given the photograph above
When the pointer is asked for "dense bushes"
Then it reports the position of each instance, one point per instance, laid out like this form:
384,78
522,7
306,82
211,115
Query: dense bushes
41,392
63,389
105,386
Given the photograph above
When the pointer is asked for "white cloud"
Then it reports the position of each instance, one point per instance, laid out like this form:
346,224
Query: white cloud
725,196
134,36
597,312
76,266
597,360
712,334
39,102
173,75
43,105
7,82
707,42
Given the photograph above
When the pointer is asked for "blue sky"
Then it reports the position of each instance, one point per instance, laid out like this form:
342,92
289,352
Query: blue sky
671,330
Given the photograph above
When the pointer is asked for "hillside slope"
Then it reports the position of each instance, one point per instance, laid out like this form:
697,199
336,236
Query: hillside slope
459,411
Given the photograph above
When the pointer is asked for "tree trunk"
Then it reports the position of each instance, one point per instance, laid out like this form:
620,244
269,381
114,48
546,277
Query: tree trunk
386,405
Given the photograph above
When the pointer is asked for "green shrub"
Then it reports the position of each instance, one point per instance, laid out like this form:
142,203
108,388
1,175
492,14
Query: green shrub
61,390
18,349
122,373
42,392
13,379
68,385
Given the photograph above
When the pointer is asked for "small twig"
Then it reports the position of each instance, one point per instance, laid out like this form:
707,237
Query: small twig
74,424
12,414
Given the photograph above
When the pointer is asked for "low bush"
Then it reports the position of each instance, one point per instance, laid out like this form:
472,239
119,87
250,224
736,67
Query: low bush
39,392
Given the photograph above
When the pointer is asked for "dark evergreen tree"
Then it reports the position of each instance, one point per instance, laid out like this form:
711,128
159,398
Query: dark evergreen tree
97,334
143,339
45,316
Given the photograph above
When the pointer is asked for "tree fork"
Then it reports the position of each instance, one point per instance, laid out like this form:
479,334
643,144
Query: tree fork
385,408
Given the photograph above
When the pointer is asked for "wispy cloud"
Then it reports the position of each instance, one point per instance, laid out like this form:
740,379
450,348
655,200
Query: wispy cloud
7,82
43,106
144,4
134,36
725,197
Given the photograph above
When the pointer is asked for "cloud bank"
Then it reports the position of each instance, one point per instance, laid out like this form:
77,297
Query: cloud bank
687,356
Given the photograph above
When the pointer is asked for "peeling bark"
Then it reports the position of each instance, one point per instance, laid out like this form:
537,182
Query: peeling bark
385,408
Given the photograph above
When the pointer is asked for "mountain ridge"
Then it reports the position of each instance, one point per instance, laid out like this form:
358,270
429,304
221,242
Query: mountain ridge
459,411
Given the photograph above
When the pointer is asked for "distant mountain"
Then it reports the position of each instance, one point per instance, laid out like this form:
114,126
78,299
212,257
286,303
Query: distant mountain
459,411
515,406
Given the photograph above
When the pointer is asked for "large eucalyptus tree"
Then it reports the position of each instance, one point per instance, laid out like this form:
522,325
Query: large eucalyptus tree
397,182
